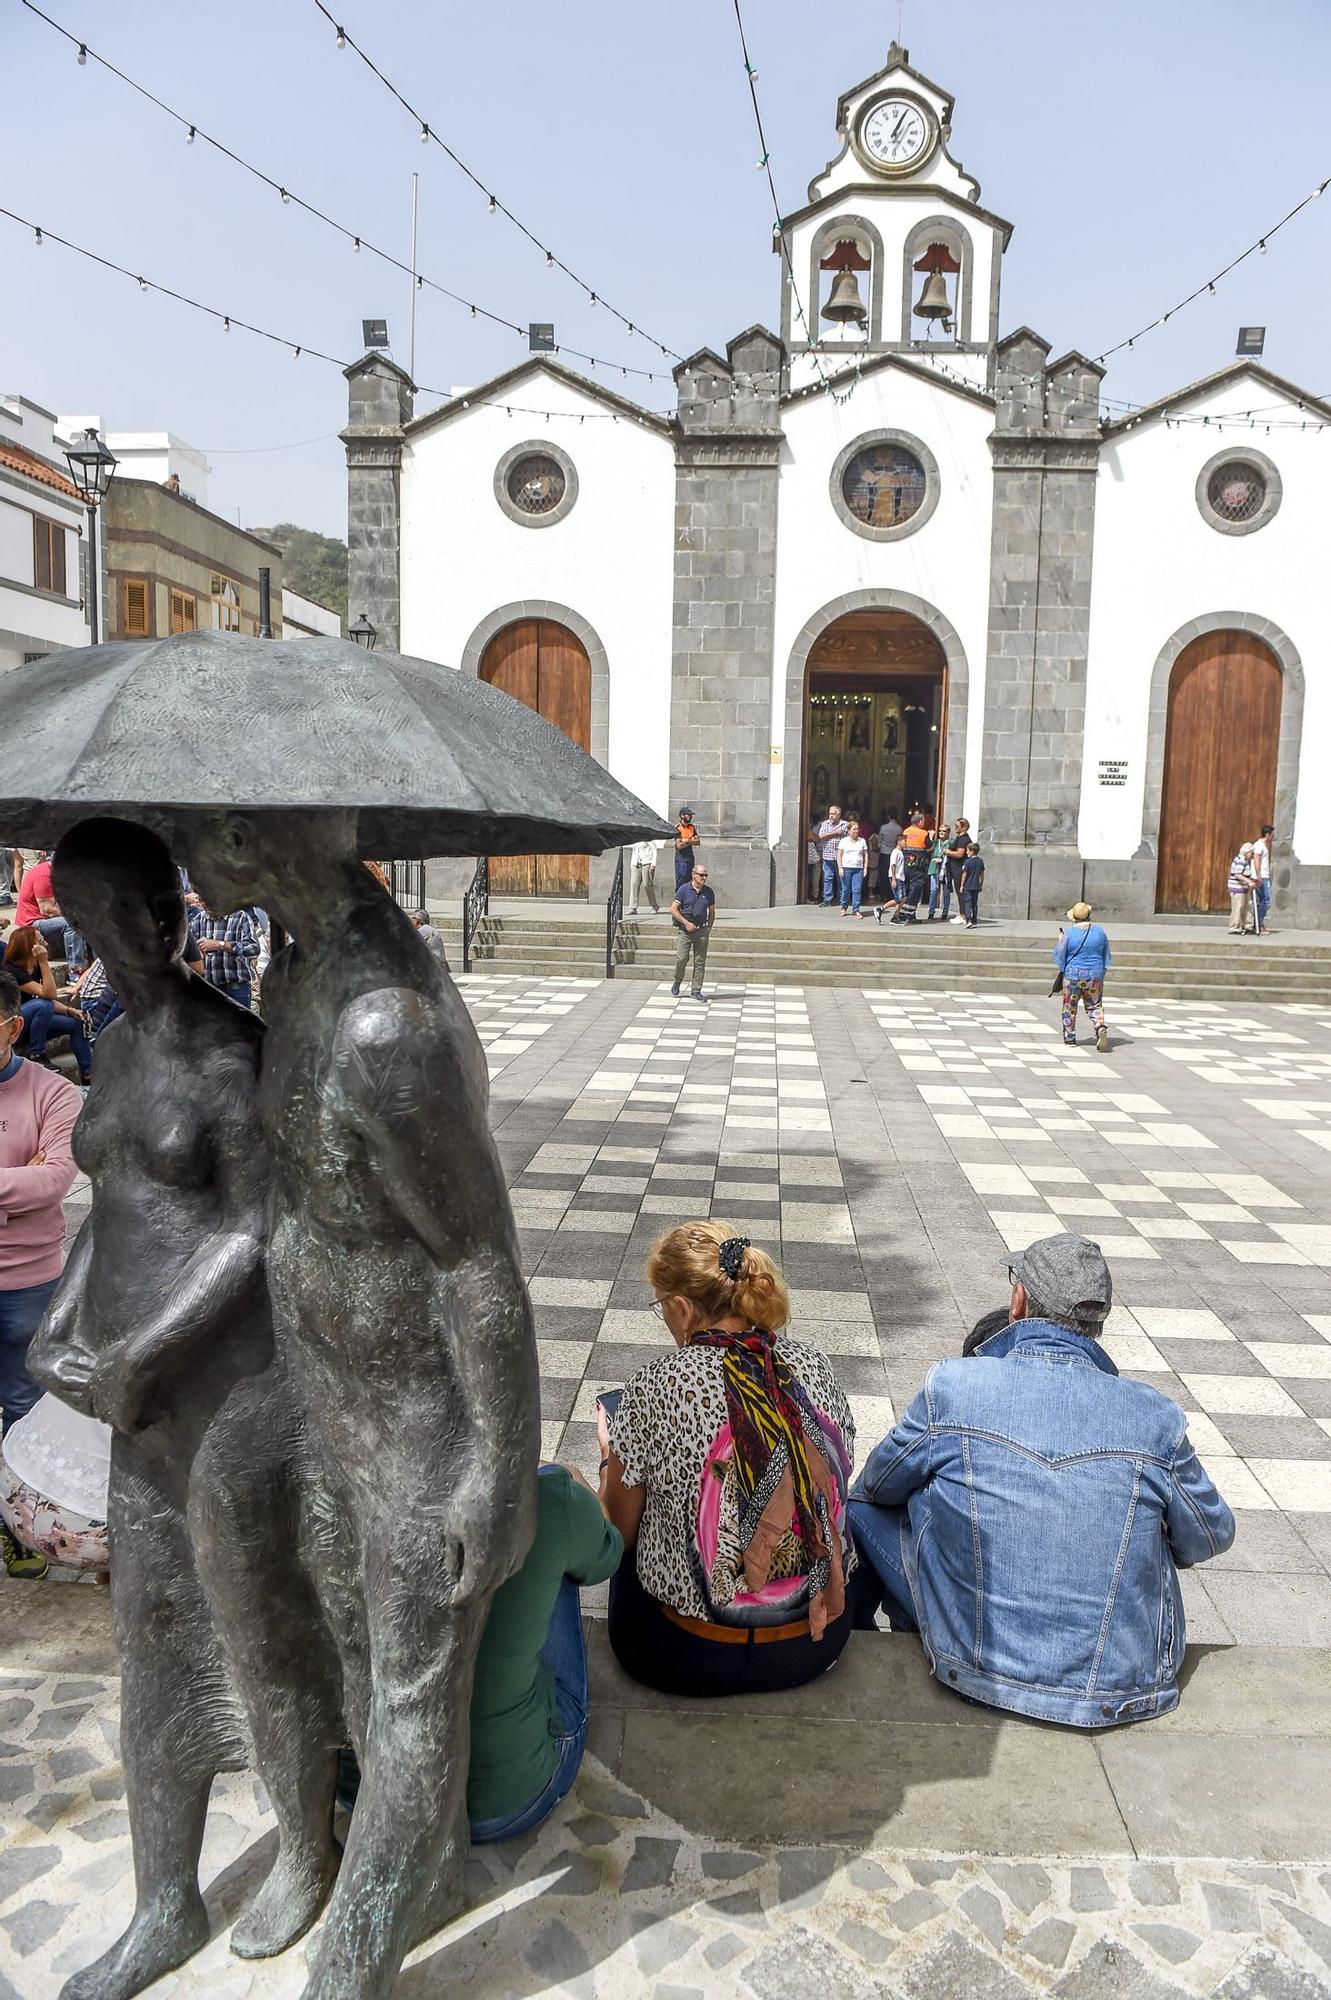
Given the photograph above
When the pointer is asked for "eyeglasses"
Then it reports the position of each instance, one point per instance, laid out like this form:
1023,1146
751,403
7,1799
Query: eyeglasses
657,1309
700,874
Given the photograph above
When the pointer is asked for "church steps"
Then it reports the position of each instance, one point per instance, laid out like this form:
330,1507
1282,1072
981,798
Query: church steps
930,959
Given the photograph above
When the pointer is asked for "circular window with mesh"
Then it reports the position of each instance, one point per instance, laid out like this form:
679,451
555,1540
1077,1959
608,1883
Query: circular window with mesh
884,485
536,484
1236,491
1237,495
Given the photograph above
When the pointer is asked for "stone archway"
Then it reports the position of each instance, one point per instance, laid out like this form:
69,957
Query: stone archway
953,654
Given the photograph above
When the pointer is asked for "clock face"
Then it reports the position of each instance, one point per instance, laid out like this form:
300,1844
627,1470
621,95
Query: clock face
895,134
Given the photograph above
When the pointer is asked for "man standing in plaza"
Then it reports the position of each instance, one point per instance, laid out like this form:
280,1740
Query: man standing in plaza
38,1108
956,858
1261,868
644,876
830,835
229,947
686,846
693,912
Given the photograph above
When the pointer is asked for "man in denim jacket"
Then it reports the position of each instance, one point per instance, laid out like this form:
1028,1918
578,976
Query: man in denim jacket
1029,1514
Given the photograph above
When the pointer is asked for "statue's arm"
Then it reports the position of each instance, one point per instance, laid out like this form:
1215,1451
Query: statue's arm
59,1358
210,1292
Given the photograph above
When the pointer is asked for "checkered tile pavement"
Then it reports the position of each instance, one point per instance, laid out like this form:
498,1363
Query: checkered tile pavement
889,1149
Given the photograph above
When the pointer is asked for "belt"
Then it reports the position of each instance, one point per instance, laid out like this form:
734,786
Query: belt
737,1635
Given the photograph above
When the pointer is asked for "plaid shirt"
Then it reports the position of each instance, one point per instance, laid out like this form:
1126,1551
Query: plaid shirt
233,966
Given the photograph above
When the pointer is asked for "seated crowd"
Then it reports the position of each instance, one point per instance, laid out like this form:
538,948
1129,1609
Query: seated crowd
1027,1518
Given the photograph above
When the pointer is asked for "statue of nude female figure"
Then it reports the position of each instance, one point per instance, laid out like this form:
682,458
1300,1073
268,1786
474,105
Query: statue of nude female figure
162,1328
399,1304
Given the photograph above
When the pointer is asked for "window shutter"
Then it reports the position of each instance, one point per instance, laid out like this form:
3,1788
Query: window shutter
41,553
57,534
134,608
184,611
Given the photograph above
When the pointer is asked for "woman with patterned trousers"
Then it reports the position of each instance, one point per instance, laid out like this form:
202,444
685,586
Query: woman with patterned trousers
1083,957
724,1465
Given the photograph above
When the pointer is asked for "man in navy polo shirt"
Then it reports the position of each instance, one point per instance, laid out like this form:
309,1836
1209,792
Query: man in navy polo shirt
692,913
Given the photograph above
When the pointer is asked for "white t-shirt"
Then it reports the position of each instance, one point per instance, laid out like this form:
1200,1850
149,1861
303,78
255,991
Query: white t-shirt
896,866
1261,861
644,854
853,853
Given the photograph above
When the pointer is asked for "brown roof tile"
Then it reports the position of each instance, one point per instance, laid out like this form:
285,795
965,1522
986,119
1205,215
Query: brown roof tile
19,459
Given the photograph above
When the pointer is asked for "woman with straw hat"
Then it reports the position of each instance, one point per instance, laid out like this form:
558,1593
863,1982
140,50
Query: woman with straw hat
1083,957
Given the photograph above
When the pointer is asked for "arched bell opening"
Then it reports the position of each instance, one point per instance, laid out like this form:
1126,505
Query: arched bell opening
845,288
936,284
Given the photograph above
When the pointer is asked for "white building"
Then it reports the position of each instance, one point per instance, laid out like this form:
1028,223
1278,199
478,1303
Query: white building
302,618
888,557
41,539
154,456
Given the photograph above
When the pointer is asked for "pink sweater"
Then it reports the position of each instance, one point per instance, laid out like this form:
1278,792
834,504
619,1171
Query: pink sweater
37,1113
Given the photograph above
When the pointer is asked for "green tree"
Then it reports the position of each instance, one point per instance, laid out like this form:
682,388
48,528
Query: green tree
313,564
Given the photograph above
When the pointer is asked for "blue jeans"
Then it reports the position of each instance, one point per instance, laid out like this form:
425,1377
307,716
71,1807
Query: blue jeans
1262,898
20,1314
852,883
683,868
940,892
76,952
565,1653
829,880
41,1022
970,905
880,1578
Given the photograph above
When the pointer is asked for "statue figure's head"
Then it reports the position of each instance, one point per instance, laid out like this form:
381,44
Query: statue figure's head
237,858
118,886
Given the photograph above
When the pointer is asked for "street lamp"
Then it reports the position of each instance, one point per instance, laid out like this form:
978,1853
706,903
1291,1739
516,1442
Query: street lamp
363,633
92,467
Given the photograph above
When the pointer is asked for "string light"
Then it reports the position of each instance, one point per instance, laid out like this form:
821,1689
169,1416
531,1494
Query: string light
492,200
39,238
1207,287
83,53
341,38
301,350
193,131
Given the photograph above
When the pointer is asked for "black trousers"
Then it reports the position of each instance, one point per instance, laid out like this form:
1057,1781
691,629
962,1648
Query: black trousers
652,1649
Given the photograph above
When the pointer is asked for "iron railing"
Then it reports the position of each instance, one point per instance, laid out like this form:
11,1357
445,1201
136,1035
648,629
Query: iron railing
475,908
614,915
409,883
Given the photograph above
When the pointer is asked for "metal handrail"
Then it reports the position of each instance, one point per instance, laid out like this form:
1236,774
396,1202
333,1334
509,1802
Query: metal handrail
475,907
614,915
408,879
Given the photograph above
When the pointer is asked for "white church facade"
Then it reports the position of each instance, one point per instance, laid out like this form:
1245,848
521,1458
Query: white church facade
891,557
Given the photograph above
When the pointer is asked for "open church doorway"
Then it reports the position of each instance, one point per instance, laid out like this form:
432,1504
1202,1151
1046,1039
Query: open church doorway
875,719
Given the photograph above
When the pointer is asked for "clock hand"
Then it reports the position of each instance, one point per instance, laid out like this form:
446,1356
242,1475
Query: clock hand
896,131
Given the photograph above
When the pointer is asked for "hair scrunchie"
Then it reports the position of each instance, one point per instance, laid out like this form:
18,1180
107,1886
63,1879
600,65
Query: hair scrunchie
731,1256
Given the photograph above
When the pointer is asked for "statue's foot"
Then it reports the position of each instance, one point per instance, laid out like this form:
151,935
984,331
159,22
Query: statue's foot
295,1892
445,1901
159,1939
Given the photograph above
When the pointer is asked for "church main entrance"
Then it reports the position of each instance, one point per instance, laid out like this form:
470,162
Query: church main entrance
543,665
875,708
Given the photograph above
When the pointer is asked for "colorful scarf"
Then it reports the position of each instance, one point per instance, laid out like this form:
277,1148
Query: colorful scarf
781,1482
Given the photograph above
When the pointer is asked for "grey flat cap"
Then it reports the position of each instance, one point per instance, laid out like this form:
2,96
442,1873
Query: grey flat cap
1067,1274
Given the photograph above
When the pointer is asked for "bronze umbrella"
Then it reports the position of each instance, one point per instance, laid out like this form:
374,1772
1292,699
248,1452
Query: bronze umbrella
432,761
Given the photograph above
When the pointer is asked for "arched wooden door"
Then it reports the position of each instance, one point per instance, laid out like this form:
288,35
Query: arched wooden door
543,665
1222,738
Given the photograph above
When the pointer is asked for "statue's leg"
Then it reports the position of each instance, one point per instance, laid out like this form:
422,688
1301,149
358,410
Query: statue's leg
244,1523
409,1833
171,1743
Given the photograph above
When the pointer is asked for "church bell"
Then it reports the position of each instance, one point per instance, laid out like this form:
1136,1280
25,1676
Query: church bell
933,301
844,302
938,264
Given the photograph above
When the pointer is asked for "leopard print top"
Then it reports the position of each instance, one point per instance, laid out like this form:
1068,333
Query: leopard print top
662,1432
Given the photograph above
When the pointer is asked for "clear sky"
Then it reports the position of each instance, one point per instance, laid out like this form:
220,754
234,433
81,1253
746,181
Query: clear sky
1135,149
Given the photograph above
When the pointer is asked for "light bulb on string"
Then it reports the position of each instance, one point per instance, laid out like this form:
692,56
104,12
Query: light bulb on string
38,238
341,38
493,204
285,196
355,244
189,136
83,53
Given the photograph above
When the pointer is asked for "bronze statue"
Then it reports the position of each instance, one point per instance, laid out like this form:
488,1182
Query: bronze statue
161,1327
383,1397
401,1312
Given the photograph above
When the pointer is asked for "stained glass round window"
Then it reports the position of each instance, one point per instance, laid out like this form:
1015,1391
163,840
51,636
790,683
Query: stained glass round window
1236,491
536,484
884,485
